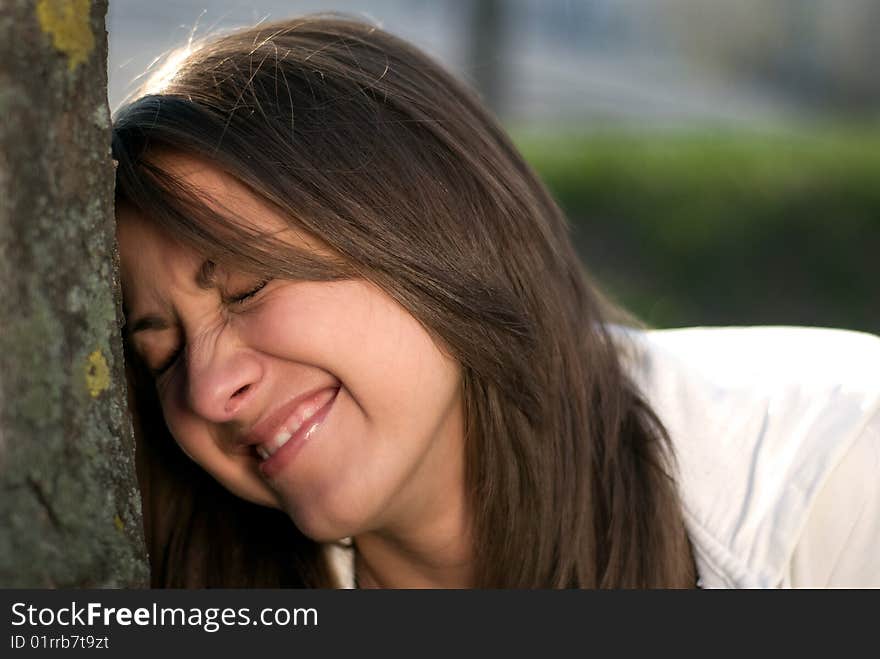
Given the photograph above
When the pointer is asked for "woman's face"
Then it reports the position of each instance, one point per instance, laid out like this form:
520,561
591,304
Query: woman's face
364,405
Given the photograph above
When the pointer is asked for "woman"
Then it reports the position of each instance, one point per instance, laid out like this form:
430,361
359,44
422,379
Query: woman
357,311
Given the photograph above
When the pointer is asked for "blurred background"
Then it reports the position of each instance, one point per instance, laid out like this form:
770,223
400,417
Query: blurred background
719,161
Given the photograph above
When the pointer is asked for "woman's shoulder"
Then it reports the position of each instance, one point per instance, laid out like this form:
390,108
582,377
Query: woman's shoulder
839,545
803,356
761,420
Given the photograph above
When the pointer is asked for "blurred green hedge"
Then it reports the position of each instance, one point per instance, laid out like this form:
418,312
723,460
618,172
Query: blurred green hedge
724,228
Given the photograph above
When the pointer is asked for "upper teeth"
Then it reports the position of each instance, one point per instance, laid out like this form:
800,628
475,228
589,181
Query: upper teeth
306,412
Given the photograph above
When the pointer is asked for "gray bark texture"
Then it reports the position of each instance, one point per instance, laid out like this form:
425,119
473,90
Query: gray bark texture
69,503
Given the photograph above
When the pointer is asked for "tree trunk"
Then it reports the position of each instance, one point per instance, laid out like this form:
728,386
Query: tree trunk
69,503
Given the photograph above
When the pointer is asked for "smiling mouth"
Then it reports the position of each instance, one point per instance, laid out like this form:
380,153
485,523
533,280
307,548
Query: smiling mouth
300,425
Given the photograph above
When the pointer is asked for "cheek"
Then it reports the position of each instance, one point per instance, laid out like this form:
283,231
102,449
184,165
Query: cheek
194,437
381,354
190,432
183,426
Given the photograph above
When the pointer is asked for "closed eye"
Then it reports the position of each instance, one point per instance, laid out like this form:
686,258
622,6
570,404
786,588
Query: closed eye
168,363
235,299
239,299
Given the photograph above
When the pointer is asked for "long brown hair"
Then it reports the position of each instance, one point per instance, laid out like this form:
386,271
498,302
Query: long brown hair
364,143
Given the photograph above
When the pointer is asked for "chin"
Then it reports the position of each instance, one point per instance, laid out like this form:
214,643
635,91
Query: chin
257,496
320,530
326,524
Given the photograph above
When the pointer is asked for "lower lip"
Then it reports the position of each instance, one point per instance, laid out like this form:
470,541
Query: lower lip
281,458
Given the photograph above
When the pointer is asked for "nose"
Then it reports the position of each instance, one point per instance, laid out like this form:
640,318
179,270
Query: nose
222,378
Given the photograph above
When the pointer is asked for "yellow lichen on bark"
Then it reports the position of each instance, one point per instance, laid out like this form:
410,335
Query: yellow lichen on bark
97,374
67,21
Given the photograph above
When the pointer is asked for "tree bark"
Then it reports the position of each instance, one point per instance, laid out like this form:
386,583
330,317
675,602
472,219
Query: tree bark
69,503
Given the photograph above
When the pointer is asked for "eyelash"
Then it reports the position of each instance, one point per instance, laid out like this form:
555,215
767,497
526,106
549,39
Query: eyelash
168,363
238,299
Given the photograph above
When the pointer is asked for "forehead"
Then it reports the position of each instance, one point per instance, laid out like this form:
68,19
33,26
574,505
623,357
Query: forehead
152,259
220,191
149,259
232,200
141,242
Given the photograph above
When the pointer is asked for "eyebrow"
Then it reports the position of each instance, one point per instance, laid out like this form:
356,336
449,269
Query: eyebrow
148,323
205,279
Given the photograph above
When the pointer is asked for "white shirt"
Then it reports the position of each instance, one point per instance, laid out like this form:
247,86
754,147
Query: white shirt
777,436
776,432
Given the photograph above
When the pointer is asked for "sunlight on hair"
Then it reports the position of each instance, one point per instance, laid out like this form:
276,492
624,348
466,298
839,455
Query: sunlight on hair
166,72
171,61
